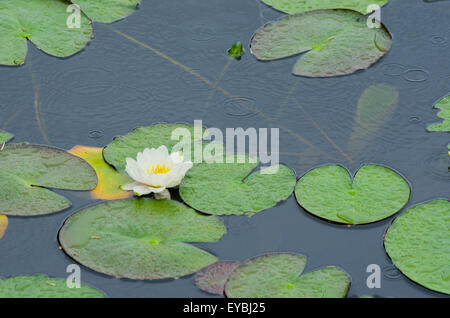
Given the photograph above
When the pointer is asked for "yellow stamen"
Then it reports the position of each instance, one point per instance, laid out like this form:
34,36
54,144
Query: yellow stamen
159,169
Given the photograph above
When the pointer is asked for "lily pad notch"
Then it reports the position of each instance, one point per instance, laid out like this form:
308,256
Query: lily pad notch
335,42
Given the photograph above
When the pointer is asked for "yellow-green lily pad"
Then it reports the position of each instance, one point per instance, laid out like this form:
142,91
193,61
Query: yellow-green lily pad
140,238
444,113
107,11
375,193
26,170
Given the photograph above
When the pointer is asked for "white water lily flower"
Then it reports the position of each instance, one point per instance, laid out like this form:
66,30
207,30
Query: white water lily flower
155,171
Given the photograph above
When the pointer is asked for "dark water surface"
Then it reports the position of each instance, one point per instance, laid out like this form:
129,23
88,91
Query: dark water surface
115,85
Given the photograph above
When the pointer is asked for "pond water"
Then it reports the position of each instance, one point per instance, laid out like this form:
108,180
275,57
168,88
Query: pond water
130,76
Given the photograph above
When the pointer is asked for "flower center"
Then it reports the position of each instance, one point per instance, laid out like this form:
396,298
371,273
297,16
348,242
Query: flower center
159,169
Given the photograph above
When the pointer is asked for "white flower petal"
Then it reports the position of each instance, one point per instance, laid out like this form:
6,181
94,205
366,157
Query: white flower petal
164,195
177,157
130,186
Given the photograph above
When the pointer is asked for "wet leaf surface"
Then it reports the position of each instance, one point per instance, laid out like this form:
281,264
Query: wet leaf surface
280,276
232,188
109,180
41,286
212,278
418,243
297,6
444,113
140,238
107,11
336,42
375,193
26,169
42,22
376,107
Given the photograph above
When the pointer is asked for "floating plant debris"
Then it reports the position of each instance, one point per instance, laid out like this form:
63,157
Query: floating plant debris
236,50
375,193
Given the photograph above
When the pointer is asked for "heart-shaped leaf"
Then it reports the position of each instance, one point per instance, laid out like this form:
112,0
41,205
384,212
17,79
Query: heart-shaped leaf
153,136
418,243
44,23
337,42
375,193
3,224
376,106
232,188
278,276
109,180
41,286
212,278
297,6
5,137
24,171
107,11
140,238
444,106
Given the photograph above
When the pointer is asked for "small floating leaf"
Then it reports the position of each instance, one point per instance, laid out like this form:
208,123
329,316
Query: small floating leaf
5,137
376,107
280,276
212,278
236,50
44,23
297,6
346,43
3,224
444,106
232,188
26,169
136,141
140,238
375,193
109,180
41,286
418,243
107,11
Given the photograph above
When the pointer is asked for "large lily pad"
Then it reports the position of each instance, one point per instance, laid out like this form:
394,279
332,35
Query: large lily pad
5,137
212,278
107,11
375,193
278,276
444,106
41,286
376,107
44,23
297,6
140,238
418,243
145,137
232,188
26,169
109,180
337,42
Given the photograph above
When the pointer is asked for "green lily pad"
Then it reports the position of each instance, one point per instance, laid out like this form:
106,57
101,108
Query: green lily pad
444,106
337,42
375,193
26,169
44,23
212,278
136,141
232,188
280,276
297,6
41,286
418,243
140,238
5,137
376,107
107,11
